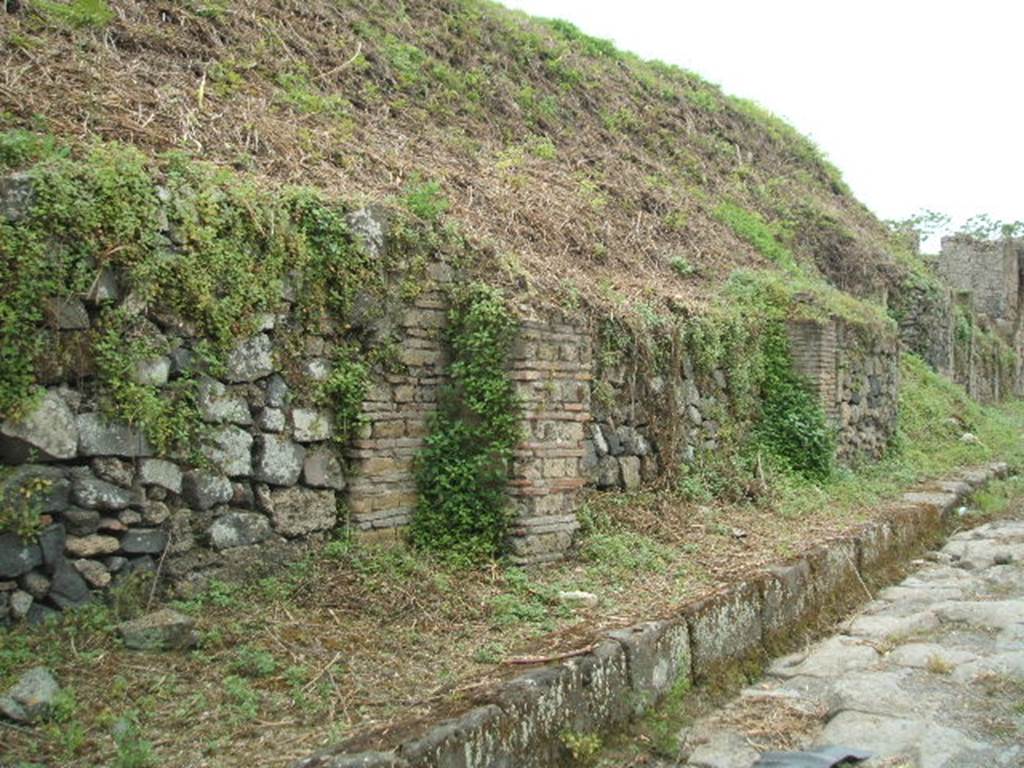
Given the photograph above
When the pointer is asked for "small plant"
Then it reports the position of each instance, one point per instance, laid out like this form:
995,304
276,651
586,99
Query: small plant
937,665
682,266
132,750
19,504
253,662
242,697
584,747
489,653
425,199
77,13
792,426
344,390
766,238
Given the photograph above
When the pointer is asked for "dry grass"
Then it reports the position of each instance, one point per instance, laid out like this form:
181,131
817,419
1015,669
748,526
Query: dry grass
586,174
773,723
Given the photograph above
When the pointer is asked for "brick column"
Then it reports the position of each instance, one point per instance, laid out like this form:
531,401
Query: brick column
551,366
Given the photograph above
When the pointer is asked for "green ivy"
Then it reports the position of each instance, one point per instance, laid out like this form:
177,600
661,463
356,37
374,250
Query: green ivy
344,390
792,426
463,469
217,250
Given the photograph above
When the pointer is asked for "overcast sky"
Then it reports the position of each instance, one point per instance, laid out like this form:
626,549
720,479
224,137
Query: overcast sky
918,103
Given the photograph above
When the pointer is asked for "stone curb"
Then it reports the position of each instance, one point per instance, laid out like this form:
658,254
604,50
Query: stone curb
632,669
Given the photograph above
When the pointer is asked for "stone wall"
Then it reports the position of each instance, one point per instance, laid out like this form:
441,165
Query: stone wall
641,420
856,374
926,324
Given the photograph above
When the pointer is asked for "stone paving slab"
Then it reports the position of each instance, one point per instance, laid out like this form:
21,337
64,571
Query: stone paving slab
930,674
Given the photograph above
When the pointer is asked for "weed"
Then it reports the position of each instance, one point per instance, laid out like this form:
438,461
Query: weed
243,699
489,653
425,199
133,751
766,238
663,723
253,662
77,13
584,747
682,266
937,665
298,91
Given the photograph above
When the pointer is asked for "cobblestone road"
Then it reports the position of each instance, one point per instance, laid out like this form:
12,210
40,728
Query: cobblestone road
928,675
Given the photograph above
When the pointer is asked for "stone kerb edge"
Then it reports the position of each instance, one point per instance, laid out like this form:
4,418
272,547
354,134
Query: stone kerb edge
634,668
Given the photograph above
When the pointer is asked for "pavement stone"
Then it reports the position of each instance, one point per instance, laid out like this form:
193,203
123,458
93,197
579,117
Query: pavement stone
928,675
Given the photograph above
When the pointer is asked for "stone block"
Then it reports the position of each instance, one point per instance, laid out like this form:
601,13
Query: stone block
834,574
92,545
105,287
609,474
272,420
99,437
18,555
238,529
144,541
45,488
276,392
66,313
162,630
311,426
203,490
785,592
51,540
876,546
630,468
32,698
230,449
152,372
218,406
92,493
278,460
658,656
165,474
251,360
330,759
48,431
17,195
300,511
113,470
94,572
322,469
725,627
67,587
35,584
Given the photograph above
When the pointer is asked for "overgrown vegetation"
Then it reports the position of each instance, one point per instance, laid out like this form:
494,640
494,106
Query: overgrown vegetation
463,83
204,244
463,469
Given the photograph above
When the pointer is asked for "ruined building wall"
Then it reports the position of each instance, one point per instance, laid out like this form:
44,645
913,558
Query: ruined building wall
988,270
856,373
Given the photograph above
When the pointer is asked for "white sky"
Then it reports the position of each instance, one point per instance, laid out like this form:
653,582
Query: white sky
918,103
